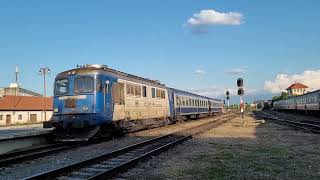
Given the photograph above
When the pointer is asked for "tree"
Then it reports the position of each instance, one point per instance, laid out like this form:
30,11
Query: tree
283,96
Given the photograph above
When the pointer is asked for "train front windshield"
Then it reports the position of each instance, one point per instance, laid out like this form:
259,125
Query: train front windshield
62,86
84,84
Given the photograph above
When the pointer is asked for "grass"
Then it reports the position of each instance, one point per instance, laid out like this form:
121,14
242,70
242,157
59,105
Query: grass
259,161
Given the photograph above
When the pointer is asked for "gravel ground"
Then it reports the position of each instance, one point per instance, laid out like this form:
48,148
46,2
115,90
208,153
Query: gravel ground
256,150
29,168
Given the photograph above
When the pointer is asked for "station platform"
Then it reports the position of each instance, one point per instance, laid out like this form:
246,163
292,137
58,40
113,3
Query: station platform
14,138
22,131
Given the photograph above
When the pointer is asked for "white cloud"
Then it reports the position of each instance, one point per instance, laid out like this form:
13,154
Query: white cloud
238,71
200,72
282,81
212,17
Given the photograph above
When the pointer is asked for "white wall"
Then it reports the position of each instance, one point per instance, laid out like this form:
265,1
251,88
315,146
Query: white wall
25,116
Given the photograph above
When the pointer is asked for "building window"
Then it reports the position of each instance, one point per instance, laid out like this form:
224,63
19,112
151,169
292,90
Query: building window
144,91
20,117
1,117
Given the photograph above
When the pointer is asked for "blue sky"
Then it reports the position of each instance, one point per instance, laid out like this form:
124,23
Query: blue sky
153,39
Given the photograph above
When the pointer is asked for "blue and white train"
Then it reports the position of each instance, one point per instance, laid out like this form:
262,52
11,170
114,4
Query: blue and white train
93,100
306,103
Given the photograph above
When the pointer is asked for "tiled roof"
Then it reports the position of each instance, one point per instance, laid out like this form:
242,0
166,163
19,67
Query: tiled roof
25,103
297,86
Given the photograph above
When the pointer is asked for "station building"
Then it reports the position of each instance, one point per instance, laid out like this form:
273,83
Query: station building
16,110
15,90
297,89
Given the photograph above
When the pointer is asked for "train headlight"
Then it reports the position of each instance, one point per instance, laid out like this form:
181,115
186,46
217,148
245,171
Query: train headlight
85,108
55,110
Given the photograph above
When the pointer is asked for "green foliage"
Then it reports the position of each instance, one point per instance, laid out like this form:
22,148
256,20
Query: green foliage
259,106
266,106
283,96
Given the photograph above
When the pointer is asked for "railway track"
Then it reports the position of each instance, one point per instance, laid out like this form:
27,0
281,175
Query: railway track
43,151
39,152
111,164
306,125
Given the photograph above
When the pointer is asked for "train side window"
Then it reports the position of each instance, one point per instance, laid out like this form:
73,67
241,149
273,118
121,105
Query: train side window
118,93
137,90
144,91
163,94
99,85
130,89
153,92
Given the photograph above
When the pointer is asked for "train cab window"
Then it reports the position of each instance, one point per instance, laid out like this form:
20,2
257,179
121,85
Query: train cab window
153,92
144,91
83,85
62,86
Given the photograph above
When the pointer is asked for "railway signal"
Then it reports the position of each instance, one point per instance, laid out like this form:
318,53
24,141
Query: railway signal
240,82
241,93
228,98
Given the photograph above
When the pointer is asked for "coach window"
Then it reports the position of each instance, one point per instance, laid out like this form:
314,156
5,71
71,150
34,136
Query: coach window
130,90
137,90
153,92
163,94
144,91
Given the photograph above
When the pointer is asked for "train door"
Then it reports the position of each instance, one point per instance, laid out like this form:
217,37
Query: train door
8,120
118,100
100,100
103,97
178,106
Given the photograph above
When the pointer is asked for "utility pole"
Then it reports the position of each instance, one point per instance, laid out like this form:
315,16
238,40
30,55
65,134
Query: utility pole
16,73
44,71
16,88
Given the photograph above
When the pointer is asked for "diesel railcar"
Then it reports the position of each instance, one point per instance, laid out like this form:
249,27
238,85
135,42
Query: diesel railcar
307,103
93,100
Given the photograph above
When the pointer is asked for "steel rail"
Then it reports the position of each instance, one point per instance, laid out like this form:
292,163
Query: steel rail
36,153
284,121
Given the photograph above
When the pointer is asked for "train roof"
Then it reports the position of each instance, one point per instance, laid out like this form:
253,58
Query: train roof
192,94
96,69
